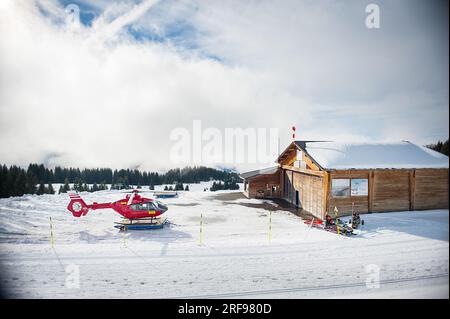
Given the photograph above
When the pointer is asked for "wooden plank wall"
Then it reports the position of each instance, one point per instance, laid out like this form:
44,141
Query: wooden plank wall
288,191
431,189
391,190
344,205
311,193
395,190
261,182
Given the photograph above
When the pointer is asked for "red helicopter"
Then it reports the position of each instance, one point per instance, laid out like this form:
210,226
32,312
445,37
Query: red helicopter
138,212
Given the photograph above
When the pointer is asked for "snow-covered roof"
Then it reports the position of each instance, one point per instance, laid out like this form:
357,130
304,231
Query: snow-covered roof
258,172
333,155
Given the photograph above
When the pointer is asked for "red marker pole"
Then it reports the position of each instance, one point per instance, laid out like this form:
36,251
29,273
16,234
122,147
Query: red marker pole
293,132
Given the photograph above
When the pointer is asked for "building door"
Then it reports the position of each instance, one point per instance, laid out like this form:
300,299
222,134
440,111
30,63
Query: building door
296,198
286,185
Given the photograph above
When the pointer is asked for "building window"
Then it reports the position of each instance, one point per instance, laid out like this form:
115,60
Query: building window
360,187
340,187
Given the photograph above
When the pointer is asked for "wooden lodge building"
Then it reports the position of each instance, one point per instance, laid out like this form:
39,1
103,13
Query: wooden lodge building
318,176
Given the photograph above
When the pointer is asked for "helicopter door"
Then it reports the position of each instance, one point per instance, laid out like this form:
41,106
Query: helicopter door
139,207
151,208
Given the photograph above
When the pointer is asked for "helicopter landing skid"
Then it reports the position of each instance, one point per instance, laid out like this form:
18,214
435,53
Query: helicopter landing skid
141,223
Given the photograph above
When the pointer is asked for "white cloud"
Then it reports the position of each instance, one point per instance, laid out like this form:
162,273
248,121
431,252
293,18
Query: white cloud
69,100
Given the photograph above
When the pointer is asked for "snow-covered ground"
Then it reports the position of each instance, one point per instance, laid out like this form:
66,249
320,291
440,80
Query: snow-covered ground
408,250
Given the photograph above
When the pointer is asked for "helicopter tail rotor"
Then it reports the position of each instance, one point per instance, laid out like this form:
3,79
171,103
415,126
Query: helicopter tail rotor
77,206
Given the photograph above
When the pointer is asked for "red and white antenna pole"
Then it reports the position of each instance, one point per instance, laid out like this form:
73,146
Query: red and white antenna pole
293,133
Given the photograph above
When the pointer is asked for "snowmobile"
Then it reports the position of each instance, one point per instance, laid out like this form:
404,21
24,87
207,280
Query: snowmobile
335,225
137,211
331,225
356,220
165,194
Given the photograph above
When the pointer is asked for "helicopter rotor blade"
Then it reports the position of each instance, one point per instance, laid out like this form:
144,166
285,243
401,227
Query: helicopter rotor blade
130,200
139,191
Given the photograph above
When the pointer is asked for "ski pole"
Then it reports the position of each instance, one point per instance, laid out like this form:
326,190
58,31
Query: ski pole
312,222
52,240
270,227
353,212
309,228
201,228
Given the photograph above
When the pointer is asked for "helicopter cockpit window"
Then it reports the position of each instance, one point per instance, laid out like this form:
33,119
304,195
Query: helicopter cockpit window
142,206
136,207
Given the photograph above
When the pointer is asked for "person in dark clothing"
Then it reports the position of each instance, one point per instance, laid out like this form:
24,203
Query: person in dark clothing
328,220
356,221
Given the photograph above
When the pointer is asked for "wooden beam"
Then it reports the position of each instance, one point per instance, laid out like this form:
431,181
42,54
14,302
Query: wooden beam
326,193
370,199
304,171
281,183
292,187
412,189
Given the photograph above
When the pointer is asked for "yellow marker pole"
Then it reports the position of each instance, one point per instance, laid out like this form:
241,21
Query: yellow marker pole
270,227
52,240
201,229
336,212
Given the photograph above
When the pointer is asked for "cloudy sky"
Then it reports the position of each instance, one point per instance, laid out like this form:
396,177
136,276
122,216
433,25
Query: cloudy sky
110,91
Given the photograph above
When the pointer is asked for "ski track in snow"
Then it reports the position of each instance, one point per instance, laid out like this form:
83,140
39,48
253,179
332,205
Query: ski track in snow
235,260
